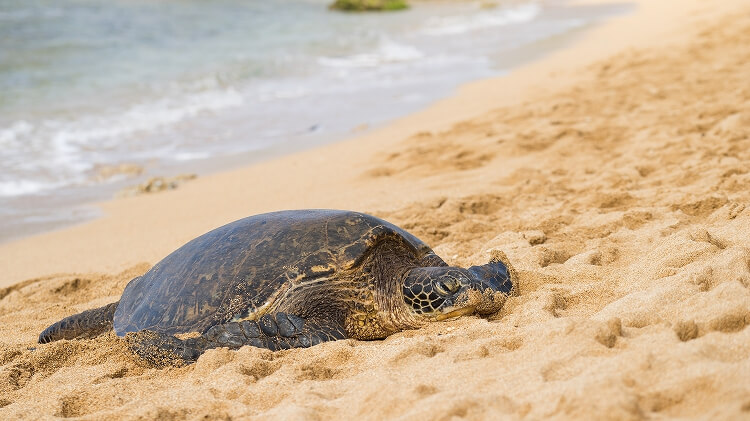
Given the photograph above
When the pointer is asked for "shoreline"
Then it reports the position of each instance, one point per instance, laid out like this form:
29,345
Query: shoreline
60,252
407,70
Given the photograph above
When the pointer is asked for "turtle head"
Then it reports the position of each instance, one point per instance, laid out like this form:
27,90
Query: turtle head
443,292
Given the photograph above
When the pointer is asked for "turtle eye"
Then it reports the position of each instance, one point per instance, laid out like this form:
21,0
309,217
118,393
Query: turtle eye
447,287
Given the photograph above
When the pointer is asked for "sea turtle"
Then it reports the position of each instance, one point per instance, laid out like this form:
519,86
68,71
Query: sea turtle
290,279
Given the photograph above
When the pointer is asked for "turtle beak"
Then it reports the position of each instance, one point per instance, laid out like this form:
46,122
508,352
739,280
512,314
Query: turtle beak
463,303
456,313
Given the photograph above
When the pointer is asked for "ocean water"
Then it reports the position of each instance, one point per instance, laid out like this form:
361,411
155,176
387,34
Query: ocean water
192,85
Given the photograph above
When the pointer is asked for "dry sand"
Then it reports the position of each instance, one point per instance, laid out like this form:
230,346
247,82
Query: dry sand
618,187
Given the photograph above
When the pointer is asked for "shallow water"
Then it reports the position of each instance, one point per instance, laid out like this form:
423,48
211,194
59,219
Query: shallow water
174,86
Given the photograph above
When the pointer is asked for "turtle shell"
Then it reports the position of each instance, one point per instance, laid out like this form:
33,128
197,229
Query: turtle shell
242,265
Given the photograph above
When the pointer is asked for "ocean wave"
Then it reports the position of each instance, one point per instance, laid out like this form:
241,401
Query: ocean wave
387,52
54,153
276,91
10,188
9,135
453,25
190,156
147,117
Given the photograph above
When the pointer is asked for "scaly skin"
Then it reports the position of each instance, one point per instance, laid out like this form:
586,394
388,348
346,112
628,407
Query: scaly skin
274,332
90,323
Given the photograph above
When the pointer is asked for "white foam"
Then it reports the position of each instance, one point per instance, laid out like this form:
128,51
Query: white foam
387,52
12,133
55,153
147,117
190,156
23,187
275,91
452,25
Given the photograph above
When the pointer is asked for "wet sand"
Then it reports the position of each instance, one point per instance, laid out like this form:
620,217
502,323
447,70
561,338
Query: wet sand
614,174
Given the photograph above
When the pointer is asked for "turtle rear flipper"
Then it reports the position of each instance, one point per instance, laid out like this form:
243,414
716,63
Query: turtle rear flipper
271,331
88,324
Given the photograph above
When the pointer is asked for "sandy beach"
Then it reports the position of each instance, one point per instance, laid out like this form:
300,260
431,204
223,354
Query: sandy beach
615,175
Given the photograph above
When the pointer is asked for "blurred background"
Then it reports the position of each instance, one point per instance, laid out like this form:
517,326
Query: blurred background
100,95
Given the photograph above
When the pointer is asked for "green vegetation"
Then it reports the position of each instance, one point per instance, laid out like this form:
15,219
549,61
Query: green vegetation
368,5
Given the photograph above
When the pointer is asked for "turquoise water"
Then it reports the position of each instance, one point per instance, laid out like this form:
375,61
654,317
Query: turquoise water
174,86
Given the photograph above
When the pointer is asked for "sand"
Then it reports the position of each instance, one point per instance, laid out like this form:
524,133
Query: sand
614,174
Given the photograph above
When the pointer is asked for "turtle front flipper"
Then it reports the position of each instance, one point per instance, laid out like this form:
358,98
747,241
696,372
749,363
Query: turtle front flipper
271,331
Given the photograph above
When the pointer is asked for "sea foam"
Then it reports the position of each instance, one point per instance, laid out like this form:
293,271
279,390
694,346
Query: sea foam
54,153
453,25
387,51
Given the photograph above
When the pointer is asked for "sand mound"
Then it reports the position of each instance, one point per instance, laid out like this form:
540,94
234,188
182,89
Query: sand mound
623,204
